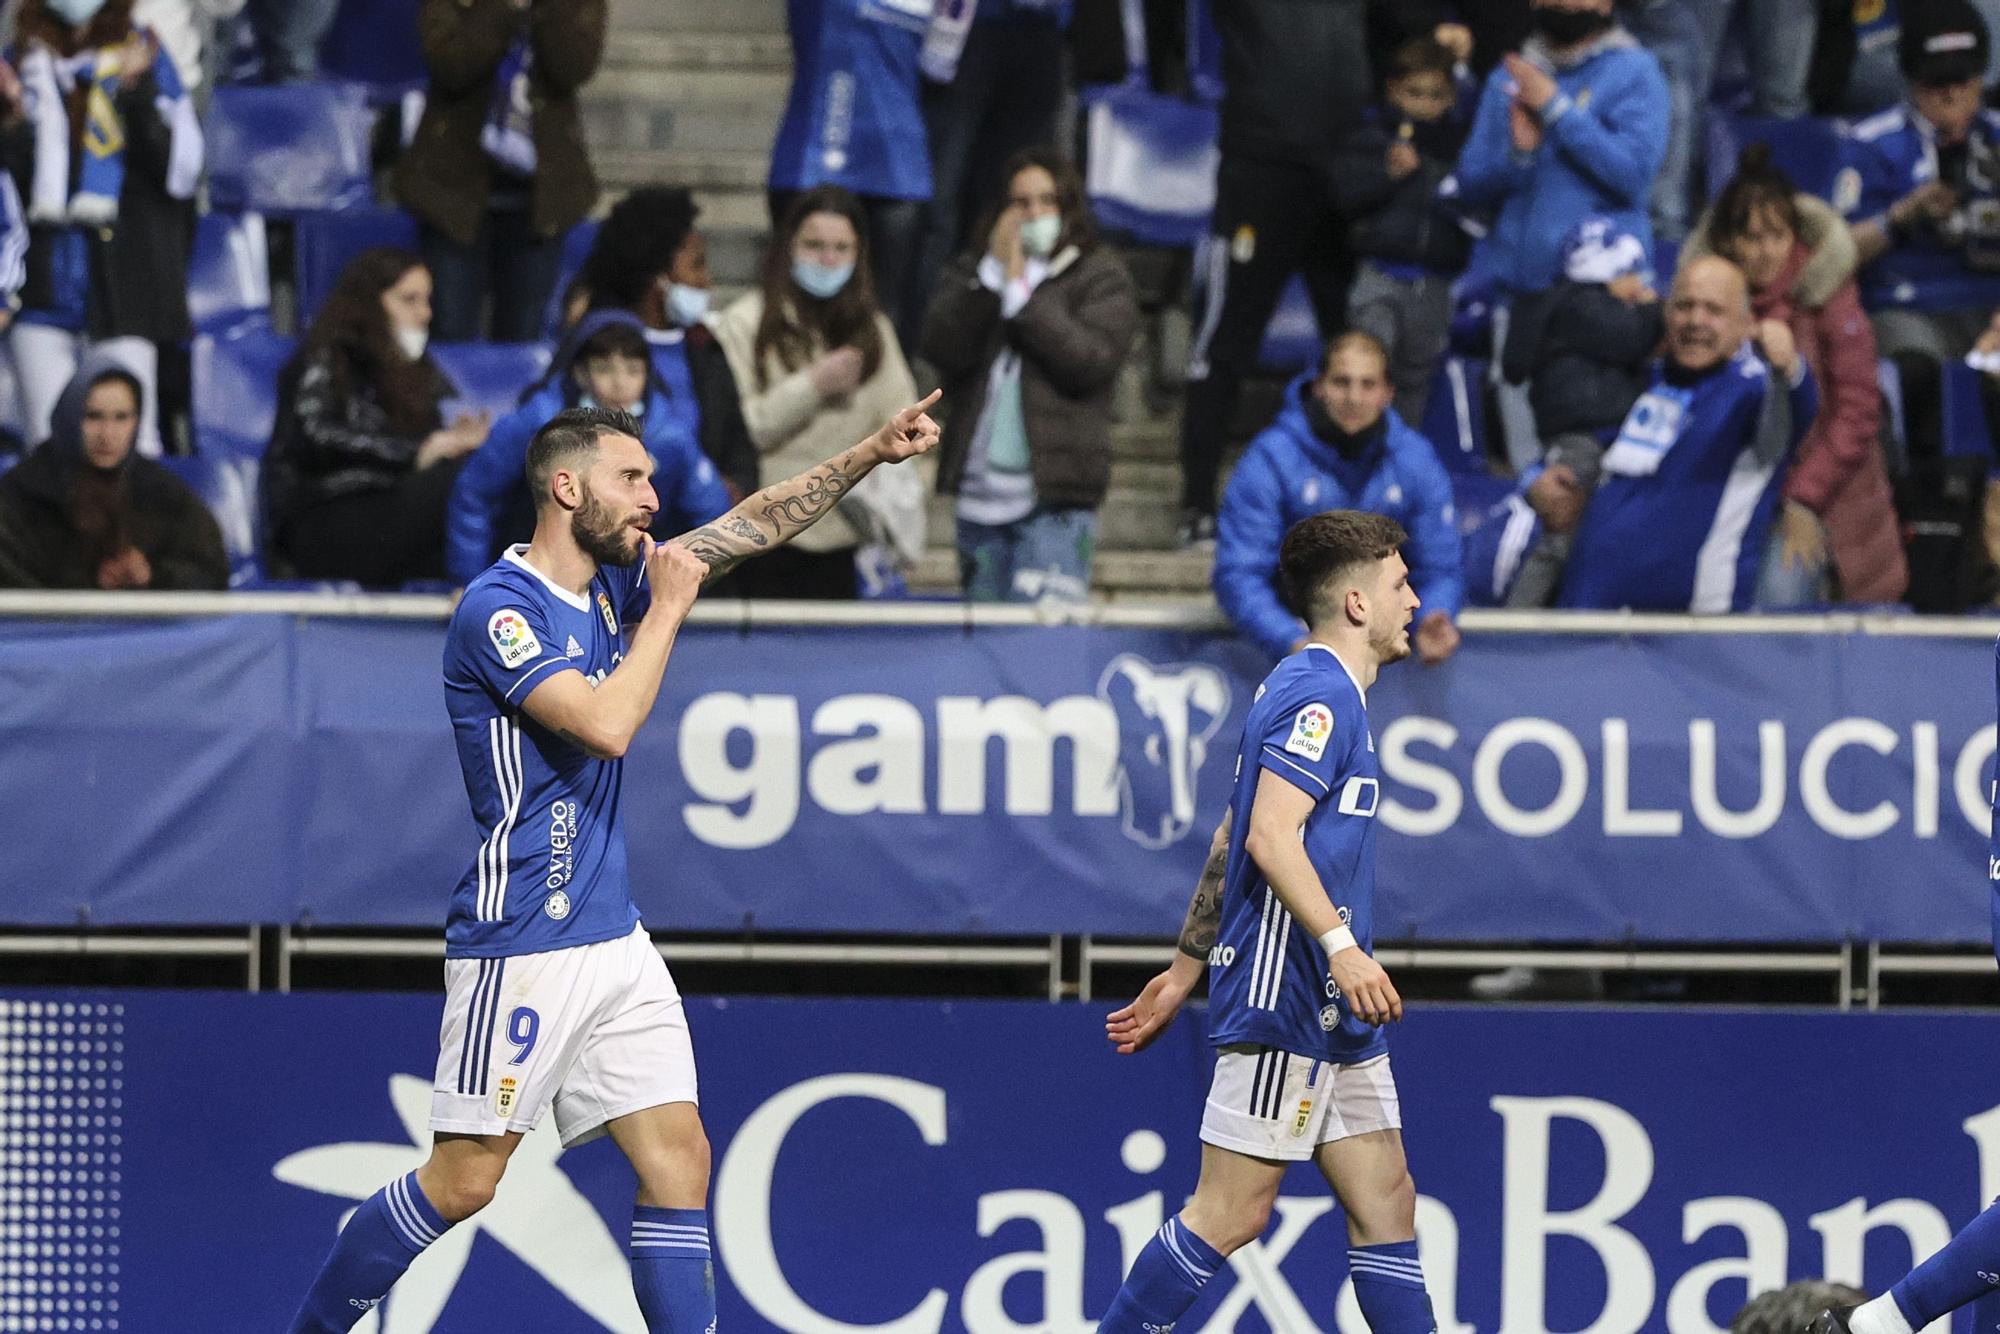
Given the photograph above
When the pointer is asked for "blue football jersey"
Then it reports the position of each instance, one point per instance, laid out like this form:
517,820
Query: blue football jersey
1993,838
855,115
550,872
1308,725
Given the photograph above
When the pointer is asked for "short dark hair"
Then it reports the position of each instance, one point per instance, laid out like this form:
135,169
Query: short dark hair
568,437
1422,55
1320,548
636,244
1354,338
615,339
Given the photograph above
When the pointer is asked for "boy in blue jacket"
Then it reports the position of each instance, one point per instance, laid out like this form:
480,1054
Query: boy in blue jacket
605,363
1337,445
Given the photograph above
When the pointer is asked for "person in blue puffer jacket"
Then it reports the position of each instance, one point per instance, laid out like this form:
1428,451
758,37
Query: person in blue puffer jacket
1336,444
1574,125
604,363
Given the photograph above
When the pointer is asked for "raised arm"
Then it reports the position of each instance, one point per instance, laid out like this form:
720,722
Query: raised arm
1133,1028
779,513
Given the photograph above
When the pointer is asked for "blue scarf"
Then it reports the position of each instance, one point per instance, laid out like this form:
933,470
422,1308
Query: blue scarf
509,134
92,199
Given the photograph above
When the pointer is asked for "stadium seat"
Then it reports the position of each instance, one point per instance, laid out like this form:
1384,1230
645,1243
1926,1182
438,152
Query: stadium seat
1204,52
324,242
229,274
490,376
1292,338
235,382
1455,416
288,149
1965,433
1150,165
1813,152
374,42
228,486
575,250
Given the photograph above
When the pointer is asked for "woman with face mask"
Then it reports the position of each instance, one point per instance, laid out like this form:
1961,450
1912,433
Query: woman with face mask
1029,331
815,360
362,463
106,154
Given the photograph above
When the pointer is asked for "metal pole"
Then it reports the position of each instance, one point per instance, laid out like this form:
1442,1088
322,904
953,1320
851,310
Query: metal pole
256,960
1083,968
285,959
1055,968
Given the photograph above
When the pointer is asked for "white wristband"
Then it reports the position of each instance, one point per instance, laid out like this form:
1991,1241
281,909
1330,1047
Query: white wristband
1336,940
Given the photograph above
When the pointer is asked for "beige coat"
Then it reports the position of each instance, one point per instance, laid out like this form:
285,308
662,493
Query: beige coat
793,427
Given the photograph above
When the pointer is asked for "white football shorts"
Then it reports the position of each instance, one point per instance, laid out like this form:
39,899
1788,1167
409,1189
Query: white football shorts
1274,1104
597,1030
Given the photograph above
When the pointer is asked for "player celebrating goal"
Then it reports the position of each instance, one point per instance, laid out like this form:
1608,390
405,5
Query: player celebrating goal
555,995
1302,1070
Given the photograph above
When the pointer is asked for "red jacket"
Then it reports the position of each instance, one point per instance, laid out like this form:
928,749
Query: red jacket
1838,472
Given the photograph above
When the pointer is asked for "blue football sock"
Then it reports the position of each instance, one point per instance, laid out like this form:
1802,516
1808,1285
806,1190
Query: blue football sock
671,1272
1954,1276
1389,1285
1165,1280
390,1229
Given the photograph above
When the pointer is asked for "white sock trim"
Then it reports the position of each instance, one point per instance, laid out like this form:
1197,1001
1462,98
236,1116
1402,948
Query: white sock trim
1881,1316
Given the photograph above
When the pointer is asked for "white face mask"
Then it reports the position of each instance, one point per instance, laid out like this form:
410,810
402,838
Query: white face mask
1039,235
686,306
412,341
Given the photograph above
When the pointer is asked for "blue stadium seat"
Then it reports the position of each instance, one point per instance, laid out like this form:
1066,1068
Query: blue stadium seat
1455,416
1292,338
235,383
1965,433
229,274
491,376
323,243
1813,152
288,149
374,42
1150,166
228,486
575,250
1204,52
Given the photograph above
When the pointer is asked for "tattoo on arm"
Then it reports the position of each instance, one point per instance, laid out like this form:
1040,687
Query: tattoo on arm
774,516
1204,914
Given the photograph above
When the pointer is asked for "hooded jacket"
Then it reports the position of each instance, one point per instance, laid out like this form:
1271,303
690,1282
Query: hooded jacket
1838,472
490,505
1604,137
41,544
1288,473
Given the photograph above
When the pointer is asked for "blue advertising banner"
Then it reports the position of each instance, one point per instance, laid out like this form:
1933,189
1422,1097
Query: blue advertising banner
937,779
182,1161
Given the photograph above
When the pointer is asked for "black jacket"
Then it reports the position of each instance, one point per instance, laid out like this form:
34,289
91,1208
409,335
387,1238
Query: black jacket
1584,354
332,440
1402,222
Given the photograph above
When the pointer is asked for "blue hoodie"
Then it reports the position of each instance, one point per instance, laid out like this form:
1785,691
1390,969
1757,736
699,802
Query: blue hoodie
490,506
1604,137
1288,474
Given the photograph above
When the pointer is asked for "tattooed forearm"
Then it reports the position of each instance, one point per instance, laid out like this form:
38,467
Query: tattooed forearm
744,529
774,516
1204,914
806,498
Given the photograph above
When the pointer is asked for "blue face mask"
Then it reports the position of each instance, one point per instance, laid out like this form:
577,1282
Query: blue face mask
76,13
821,280
687,306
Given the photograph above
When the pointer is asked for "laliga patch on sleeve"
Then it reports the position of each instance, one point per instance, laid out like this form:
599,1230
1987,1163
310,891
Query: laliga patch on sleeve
1311,727
512,639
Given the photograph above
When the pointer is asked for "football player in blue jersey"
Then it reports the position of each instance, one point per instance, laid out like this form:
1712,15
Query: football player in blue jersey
1968,1268
1284,913
555,995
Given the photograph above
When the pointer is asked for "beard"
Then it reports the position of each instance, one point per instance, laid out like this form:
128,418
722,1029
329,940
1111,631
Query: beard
602,535
1390,644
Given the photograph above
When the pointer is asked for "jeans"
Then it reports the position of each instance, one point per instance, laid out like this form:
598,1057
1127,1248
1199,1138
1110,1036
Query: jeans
1786,587
895,235
1045,557
509,262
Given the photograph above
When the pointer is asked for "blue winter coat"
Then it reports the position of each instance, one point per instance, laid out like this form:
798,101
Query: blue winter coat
1288,474
1605,136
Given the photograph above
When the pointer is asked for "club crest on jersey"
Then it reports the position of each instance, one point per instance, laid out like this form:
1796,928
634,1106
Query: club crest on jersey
1303,1117
1329,1018
505,1095
512,639
1310,730
556,906
610,616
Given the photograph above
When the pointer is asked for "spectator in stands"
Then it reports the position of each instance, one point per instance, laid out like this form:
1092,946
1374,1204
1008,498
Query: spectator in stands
498,172
1680,519
855,119
1029,332
1585,349
1573,126
816,361
84,511
1790,1309
651,260
1298,80
1836,536
188,30
1857,57
1337,444
284,37
1409,240
361,463
1926,218
106,158
605,363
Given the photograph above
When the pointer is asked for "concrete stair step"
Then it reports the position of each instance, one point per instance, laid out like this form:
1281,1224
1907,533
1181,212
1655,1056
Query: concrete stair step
712,111
632,17
1131,519
662,51
1116,575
